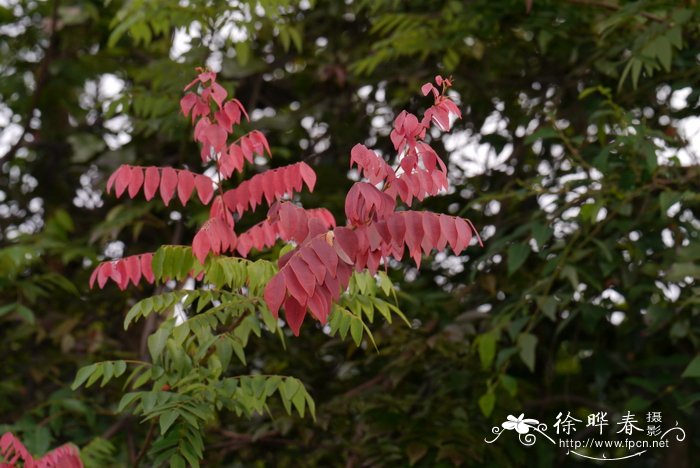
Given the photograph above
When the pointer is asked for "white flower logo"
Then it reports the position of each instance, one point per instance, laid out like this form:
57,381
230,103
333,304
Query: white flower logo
522,426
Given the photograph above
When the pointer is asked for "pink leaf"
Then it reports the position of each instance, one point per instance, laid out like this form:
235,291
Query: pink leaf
294,313
218,93
201,245
135,181
168,184
150,187
185,185
205,188
274,293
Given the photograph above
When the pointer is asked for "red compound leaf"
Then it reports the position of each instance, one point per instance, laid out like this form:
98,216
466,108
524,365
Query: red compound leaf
124,270
169,181
271,185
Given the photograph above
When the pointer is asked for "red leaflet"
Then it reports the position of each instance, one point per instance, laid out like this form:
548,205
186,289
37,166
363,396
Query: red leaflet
152,182
185,185
274,294
205,188
135,181
121,179
168,184
294,313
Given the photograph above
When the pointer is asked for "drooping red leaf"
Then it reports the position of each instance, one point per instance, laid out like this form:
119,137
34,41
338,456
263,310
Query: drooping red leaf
294,313
308,175
168,184
205,188
201,245
150,187
187,103
185,185
147,266
122,179
135,181
274,294
303,273
218,93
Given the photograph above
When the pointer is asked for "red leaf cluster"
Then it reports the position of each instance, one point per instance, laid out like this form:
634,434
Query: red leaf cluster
310,277
214,118
12,451
123,270
244,149
313,275
215,236
131,179
271,185
287,222
443,107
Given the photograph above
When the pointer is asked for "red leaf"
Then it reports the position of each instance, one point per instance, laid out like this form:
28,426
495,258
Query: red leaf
294,313
218,93
122,179
201,245
233,111
147,267
320,304
346,242
168,184
216,136
260,138
105,271
150,187
205,188
185,185
135,181
431,229
303,273
464,235
187,103
449,230
294,286
313,263
274,294
133,268
326,253
308,175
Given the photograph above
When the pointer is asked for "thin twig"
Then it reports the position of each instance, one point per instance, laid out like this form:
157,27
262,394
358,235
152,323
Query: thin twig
146,444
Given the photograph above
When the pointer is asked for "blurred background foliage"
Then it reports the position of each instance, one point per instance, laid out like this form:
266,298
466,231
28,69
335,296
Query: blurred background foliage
575,159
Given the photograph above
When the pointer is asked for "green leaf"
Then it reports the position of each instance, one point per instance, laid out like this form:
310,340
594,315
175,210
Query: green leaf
487,347
356,331
517,254
166,420
157,341
541,233
487,403
693,369
82,375
527,343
